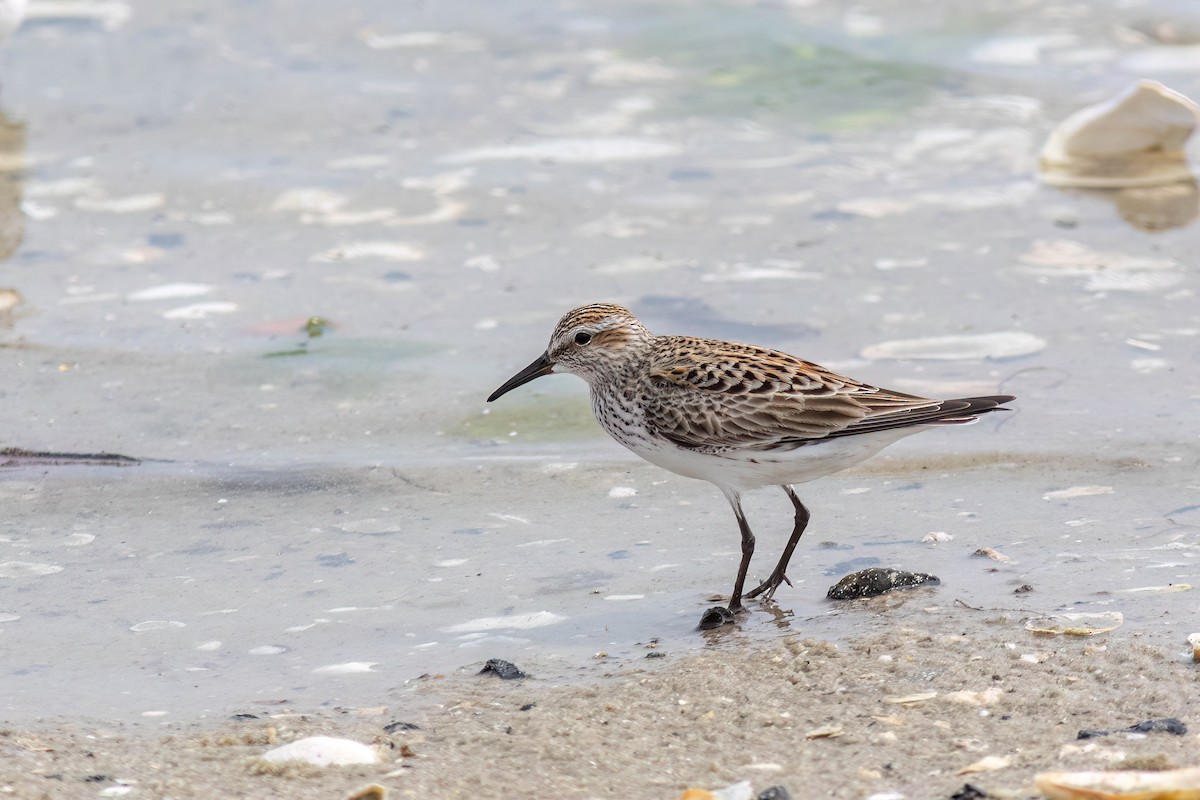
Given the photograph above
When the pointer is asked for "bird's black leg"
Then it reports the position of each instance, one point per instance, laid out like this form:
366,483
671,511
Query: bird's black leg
735,599
717,615
778,575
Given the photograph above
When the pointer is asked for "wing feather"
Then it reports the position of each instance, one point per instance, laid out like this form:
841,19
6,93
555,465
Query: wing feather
712,395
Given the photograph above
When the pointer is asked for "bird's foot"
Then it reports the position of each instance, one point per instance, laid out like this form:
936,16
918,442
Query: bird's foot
769,586
717,616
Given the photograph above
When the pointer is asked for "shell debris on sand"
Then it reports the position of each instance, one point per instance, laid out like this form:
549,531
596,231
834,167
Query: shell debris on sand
1077,624
320,751
738,791
1134,139
986,764
1174,784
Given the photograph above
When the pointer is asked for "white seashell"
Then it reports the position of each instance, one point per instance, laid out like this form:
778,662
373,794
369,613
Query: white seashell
518,622
322,751
349,668
1172,784
1134,139
156,625
200,310
1077,491
9,299
1169,588
986,764
736,791
267,650
170,291
569,151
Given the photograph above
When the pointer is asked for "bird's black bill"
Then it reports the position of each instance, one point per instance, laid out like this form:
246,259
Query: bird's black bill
542,365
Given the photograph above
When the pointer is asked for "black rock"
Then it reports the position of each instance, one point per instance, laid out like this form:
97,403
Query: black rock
715,617
876,581
774,793
1168,725
243,717
399,726
656,654
969,792
506,670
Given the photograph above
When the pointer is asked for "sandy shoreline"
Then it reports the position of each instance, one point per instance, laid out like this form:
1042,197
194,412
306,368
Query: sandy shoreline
741,710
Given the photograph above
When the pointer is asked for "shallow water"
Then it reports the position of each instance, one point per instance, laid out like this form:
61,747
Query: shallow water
197,181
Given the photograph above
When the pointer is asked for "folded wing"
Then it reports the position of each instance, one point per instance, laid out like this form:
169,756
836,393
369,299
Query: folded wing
744,397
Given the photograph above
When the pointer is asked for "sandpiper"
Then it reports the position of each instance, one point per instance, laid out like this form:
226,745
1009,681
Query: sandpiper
738,416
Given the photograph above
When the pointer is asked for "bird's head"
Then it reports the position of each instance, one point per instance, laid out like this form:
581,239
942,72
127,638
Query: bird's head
589,341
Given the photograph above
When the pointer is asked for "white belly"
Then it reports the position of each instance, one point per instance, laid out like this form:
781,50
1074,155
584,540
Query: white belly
744,470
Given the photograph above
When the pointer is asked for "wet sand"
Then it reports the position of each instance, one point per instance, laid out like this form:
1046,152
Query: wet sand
185,185
743,709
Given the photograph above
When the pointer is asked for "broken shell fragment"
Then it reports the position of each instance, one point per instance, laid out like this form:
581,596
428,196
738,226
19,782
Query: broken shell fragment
737,791
1134,139
825,732
910,699
986,764
1174,784
322,751
1077,624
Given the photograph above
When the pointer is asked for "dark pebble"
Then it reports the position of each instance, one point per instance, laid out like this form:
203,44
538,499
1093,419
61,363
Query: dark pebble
774,793
528,706
656,654
715,617
1168,725
876,581
393,727
504,669
243,717
969,792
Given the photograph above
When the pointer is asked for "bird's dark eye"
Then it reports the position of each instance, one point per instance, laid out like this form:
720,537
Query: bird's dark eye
582,338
